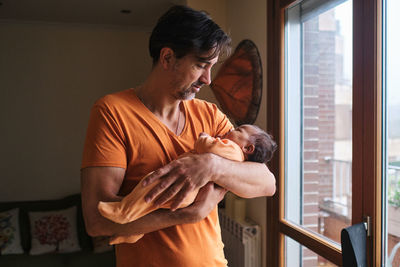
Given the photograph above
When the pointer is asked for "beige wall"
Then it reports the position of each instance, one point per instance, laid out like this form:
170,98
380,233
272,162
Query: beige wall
243,20
50,75
248,20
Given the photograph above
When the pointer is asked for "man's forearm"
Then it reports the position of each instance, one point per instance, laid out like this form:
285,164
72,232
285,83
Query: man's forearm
159,219
245,179
205,202
181,176
154,221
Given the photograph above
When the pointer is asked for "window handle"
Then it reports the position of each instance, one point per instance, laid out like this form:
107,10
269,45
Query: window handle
367,224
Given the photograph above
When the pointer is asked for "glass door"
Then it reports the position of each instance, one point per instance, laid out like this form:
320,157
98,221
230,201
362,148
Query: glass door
325,109
392,136
318,123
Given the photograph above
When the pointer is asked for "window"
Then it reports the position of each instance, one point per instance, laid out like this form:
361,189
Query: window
318,123
391,103
298,255
325,108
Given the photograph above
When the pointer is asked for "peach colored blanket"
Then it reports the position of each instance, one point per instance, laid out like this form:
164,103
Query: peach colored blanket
133,206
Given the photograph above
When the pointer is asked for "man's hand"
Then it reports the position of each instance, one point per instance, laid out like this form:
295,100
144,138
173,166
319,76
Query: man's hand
186,174
207,198
180,177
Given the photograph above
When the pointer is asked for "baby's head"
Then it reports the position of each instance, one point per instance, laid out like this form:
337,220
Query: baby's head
256,144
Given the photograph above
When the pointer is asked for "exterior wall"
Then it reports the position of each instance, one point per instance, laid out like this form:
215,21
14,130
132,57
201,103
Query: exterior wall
319,118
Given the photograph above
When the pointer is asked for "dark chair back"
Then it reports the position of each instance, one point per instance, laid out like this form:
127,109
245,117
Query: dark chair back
354,249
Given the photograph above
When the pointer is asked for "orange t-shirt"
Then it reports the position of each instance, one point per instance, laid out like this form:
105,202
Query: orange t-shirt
122,132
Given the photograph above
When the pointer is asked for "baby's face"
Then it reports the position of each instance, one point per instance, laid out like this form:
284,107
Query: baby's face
241,135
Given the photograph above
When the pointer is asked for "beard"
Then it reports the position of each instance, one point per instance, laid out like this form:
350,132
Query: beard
189,93
186,94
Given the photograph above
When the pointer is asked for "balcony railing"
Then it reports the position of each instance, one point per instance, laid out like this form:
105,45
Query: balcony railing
342,184
393,185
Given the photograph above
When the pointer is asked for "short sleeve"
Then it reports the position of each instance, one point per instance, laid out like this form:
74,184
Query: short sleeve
105,142
221,122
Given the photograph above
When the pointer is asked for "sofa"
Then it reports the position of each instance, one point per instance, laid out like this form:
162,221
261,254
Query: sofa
88,252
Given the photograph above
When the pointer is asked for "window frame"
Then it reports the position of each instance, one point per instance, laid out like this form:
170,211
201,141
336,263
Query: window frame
367,137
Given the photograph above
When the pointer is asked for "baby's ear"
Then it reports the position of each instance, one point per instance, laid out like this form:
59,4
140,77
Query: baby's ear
248,150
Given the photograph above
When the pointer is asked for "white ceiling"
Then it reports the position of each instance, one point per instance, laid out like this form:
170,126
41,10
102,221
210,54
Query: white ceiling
142,13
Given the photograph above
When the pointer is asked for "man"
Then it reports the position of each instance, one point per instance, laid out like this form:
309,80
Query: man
136,131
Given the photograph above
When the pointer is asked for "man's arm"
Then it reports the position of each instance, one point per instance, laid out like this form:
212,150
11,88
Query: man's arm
245,179
103,183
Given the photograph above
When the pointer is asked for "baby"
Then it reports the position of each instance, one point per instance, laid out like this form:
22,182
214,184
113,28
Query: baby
246,142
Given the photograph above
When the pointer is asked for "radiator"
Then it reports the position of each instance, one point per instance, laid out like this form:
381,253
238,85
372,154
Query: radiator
242,242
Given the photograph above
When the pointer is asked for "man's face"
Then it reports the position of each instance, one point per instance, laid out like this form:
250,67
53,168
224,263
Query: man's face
241,135
191,72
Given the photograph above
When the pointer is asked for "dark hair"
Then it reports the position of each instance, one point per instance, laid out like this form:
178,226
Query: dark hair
185,31
264,147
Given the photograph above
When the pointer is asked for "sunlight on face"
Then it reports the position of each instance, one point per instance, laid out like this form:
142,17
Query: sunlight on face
191,73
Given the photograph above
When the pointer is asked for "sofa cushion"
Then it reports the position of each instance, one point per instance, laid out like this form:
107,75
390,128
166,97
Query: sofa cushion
48,205
74,259
83,258
53,231
10,241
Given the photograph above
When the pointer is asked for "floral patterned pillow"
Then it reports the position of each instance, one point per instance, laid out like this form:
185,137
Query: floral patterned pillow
10,241
53,231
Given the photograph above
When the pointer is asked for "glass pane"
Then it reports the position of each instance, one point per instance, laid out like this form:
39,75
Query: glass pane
393,133
298,255
318,121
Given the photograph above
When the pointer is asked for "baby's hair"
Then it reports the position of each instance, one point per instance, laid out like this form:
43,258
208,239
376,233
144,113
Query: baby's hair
264,147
